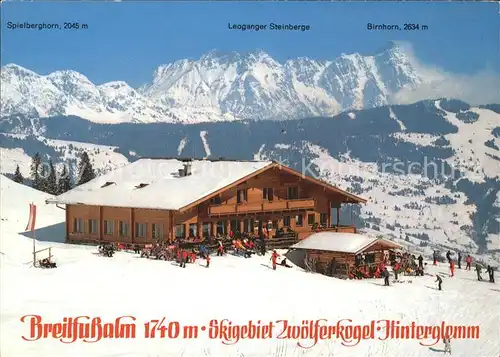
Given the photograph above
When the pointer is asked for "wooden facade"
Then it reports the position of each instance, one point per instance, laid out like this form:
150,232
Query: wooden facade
273,198
374,255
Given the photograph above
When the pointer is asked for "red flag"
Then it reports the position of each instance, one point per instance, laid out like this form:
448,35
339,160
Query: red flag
32,219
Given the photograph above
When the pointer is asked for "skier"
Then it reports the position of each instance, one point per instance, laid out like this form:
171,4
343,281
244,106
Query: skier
439,281
468,261
208,260
478,271
459,260
386,277
447,344
448,256
420,261
434,257
490,273
274,256
452,268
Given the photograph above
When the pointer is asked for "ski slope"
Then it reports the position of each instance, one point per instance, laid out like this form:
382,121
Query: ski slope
232,288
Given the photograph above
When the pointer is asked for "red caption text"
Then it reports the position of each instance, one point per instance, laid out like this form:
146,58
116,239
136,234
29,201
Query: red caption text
307,333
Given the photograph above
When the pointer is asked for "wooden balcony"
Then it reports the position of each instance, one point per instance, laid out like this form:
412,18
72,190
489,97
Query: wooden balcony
343,229
268,206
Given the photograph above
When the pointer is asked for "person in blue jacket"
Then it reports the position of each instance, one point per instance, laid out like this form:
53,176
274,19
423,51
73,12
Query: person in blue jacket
203,251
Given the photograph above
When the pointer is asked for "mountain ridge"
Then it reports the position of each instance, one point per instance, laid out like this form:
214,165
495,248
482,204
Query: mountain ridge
219,86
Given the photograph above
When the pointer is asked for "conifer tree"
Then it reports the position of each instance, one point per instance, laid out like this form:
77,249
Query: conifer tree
36,162
51,182
18,177
85,169
42,178
64,182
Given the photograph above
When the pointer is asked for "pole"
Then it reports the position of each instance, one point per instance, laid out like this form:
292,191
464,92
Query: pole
34,251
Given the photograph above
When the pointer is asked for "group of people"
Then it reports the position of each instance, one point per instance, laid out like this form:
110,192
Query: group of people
47,263
107,250
401,262
468,261
241,245
405,263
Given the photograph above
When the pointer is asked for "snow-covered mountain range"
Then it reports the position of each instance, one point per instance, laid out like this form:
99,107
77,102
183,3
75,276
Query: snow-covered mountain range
220,87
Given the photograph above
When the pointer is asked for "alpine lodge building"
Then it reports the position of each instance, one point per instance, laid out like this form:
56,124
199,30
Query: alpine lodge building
159,200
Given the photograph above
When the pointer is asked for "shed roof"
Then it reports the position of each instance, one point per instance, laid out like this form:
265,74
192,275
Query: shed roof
342,242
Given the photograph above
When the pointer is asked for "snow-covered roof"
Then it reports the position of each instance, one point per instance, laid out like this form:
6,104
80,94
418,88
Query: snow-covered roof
162,187
341,242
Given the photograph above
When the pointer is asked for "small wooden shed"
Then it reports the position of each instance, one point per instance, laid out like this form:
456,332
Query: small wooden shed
323,247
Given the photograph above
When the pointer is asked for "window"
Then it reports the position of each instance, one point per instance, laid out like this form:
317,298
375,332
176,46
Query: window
221,227
242,195
298,220
93,228
267,194
235,225
140,230
286,221
323,219
78,226
206,230
310,219
109,227
247,225
275,224
369,258
157,231
293,193
180,231
124,229
193,230
215,200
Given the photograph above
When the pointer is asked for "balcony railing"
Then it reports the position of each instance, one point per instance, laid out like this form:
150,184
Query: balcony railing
305,203
343,229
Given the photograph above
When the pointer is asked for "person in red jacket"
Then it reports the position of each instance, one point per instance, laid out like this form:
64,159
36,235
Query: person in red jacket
452,268
468,261
220,248
184,258
274,256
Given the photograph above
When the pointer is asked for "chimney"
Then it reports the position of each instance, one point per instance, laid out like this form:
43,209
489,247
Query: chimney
187,168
